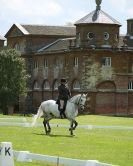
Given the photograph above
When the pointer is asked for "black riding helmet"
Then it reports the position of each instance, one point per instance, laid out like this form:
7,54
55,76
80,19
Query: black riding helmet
63,80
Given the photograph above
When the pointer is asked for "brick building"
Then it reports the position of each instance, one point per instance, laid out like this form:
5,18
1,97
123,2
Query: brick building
2,40
92,55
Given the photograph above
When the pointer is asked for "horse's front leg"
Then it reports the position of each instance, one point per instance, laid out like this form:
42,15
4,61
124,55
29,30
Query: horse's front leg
49,128
46,127
71,127
75,124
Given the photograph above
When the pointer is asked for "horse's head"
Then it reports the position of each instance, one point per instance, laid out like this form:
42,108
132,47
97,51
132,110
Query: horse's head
81,101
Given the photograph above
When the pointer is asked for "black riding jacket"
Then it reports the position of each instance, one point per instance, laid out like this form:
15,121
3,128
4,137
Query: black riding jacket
64,92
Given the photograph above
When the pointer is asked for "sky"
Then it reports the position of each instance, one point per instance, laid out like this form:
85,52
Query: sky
59,12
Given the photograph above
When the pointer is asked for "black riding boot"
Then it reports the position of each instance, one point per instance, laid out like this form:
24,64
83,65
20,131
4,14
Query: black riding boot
62,114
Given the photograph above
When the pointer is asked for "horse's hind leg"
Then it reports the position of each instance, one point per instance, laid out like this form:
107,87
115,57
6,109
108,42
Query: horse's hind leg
45,126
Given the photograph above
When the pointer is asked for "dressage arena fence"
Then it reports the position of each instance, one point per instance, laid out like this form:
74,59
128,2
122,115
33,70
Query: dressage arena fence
7,157
26,156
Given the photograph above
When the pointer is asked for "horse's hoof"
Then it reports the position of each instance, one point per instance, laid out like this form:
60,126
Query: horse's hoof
72,135
47,133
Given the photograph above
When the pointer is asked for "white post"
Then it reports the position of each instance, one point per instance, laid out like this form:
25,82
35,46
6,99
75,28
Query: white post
6,154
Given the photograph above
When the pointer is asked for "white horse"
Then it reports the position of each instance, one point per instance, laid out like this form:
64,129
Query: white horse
49,110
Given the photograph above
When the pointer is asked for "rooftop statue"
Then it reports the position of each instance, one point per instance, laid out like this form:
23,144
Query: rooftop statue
98,2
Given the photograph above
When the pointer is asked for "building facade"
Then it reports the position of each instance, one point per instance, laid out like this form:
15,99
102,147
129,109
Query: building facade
92,55
2,40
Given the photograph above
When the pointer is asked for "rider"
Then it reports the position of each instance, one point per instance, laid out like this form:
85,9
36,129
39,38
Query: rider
64,95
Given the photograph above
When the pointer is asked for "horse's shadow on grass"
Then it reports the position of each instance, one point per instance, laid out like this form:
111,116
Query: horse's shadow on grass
54,135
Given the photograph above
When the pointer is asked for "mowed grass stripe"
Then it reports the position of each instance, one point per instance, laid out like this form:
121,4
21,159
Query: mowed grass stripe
105,145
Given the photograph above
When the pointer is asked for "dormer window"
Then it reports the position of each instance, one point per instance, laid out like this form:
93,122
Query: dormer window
90,35
106,35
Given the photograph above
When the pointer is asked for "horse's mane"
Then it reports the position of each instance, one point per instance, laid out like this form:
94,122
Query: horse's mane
75,97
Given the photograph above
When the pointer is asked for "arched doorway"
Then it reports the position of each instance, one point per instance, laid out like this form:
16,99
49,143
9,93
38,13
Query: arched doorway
106,98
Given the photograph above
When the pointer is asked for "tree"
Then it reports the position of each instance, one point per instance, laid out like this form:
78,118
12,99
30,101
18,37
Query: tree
12,78
94,73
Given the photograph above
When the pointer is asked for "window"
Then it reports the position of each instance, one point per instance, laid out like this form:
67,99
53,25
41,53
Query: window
116,37
78,39
90,35
66,61
76,61
106,61
130,85
132,68
36,86
56,84
46,85
45,63
57,62
106,35
35,65
131,27
76,85
17,47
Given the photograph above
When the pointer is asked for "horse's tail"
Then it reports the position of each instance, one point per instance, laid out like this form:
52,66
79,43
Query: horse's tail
38,115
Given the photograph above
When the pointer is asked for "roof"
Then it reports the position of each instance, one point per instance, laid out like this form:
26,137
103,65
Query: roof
58,45
130,19
22,29
50,30
2,38
44,30
63,45
99,17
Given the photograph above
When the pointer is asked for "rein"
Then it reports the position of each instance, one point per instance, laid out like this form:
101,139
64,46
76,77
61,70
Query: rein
78,101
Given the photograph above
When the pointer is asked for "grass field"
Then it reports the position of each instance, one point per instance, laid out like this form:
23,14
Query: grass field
106,145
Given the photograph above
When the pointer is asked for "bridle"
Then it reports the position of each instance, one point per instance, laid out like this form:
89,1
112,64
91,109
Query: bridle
78,103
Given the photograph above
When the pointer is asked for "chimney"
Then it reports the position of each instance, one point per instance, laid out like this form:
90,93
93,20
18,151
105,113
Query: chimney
130,27
2,40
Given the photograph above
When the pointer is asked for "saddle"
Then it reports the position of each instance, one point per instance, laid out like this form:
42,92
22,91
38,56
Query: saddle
62,113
